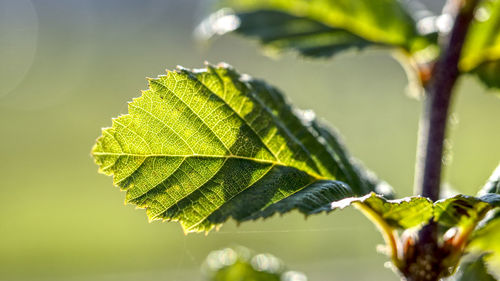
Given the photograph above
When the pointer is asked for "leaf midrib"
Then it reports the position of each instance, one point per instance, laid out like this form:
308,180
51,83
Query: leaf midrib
230,156
244,120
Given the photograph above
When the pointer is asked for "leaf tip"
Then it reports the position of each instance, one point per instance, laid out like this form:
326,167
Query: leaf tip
224,65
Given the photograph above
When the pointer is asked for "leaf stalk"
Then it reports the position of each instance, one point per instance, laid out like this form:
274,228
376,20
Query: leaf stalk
388,233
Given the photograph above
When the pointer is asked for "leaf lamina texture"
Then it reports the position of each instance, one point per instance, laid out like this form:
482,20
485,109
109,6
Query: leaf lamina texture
200,146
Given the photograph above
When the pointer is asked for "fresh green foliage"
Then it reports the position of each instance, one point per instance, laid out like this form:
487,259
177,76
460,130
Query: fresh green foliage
493,184
279,31
459,211
485,239
488,73
323,28
464,211
398,220
399,214
474,270
241,264
201,146
481,53
319,28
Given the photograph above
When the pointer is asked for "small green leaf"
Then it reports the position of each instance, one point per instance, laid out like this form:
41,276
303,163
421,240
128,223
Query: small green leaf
279,31
241,264
456,217
481,53
205,145
318,28
389,216
488,73
360,179
464,211
474,270
459,211
486,238
493,183
400,214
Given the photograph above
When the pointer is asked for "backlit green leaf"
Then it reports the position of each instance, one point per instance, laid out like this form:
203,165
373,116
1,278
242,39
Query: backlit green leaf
481,53
493,183
241,264
391,216
486,239
200,146
318,28
464,211
460,211
474,270
488,73
401,213
397,220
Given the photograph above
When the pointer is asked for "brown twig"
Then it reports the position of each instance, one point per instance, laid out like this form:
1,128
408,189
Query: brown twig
437,101
426,265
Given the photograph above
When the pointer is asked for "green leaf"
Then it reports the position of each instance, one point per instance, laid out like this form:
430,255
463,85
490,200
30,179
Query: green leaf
459,214
481,53
464,211
488,73
460,211
360,179
474,270
390,216
204,145
241,264
493,183
486,240
320,139
400,214
318,28
279,31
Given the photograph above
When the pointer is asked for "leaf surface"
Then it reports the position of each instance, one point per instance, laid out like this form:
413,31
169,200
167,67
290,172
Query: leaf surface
400,214
459,211
318,28
200,146
464,211
474,270
486,239
493,183
239,263
481,53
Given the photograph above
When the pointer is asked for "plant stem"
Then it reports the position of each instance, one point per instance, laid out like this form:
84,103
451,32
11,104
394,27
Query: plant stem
437,102
425,264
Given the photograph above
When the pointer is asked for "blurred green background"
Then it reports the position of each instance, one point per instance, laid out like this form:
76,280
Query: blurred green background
67,67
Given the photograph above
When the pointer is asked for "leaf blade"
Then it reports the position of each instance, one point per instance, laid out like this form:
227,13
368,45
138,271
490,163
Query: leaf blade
318,28
485,238
493,183
239,263
474,270
481,52
399,214
202,146
485,241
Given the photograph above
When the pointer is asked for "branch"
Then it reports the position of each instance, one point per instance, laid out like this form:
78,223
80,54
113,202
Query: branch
432,133
437,101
